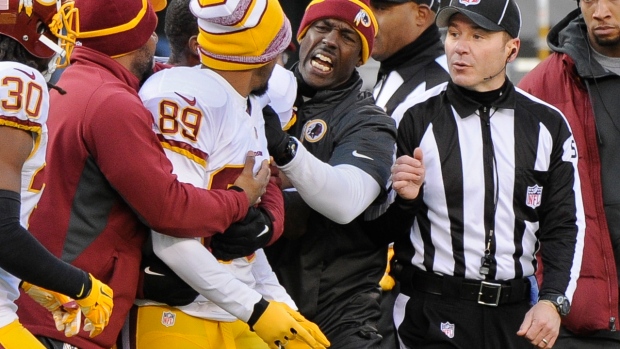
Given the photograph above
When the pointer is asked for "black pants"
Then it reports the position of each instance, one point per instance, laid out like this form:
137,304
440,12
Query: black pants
352,322
598,340
426,321
386,323
358,337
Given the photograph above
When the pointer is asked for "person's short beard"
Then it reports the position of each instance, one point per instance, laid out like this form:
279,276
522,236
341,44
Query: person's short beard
613,42
147,72
142,65
261,90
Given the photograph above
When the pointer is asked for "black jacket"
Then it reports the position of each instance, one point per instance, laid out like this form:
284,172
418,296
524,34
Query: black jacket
329,268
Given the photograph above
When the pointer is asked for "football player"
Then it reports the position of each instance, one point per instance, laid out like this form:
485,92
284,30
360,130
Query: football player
35,35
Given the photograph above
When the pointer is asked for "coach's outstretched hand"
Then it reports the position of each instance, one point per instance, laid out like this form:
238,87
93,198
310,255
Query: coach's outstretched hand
64,309
254,186
242,238
279,329
96,307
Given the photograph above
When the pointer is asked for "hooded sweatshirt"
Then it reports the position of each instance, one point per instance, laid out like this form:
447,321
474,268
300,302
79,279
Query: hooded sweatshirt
574,81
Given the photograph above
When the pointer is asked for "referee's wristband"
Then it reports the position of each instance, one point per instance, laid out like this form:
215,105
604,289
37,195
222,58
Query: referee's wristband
406,204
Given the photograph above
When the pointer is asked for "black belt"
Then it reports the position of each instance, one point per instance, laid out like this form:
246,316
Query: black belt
485,292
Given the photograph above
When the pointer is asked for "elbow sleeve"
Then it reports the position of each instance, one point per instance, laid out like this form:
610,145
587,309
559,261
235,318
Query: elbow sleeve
25,258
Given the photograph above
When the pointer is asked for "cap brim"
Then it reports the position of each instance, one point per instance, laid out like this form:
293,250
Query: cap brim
444,15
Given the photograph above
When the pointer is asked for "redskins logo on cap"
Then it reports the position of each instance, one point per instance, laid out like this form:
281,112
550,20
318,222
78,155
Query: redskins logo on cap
314,130
362,17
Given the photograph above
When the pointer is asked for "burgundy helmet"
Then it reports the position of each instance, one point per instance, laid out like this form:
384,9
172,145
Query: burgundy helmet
44,27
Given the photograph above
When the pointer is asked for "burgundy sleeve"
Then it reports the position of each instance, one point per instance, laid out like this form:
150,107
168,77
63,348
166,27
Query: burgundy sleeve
273,202
131,158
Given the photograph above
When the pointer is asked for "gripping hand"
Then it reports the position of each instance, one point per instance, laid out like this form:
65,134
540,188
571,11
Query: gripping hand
64,310
242,238
277,139
97,307
309,326
278,328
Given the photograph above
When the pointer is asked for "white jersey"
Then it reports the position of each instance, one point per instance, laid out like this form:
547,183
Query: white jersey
24,102
206,129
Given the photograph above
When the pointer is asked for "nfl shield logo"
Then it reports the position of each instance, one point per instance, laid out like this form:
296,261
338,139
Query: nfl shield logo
469,2
448,329
534,195
168,318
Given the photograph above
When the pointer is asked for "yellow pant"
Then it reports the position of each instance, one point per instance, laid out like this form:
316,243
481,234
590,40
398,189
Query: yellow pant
15,336
161,327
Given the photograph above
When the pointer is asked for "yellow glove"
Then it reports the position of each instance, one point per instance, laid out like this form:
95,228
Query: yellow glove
387,281
278,328
65,310
97,307
309,326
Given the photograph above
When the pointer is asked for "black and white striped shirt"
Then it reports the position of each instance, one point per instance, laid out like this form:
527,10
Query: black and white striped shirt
509,183
425,68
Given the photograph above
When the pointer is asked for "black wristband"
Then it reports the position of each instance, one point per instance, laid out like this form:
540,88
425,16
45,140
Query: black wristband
406,204
259,309
87,288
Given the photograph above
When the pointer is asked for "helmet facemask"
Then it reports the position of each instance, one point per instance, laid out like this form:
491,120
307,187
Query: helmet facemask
45,28
62,27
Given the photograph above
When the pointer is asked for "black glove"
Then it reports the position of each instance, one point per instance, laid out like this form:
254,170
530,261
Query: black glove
242,238
162,285
277,139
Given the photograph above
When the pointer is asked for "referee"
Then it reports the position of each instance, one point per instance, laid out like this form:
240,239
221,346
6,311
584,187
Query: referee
500,184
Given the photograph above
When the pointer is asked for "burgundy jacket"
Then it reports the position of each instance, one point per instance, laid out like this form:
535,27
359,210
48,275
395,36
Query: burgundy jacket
107,179
595,303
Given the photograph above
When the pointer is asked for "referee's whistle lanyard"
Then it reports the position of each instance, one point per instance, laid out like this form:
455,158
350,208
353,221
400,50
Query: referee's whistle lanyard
488,264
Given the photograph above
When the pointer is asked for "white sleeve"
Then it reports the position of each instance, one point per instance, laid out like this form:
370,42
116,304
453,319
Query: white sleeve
267,282
340,193
281,94
194,264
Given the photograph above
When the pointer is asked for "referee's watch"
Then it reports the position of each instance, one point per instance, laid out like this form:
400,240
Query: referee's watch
560,302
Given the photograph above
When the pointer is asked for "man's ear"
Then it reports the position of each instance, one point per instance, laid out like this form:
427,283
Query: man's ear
192,43
423,14
513,45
